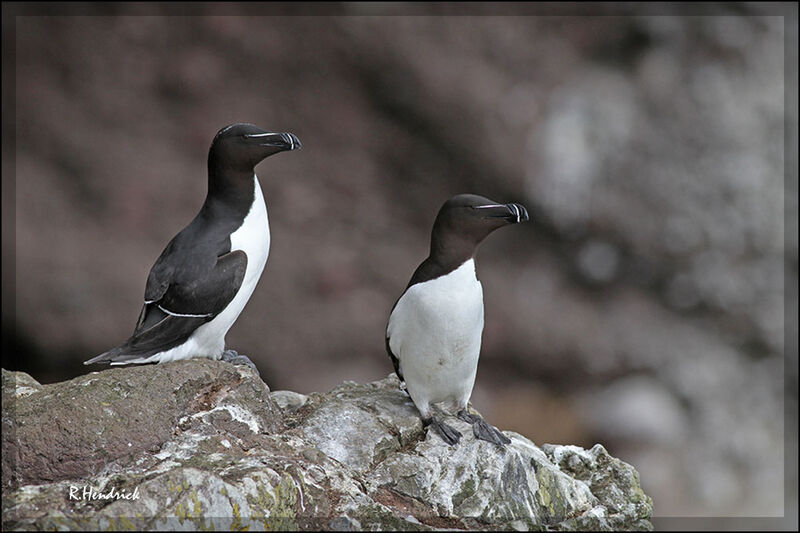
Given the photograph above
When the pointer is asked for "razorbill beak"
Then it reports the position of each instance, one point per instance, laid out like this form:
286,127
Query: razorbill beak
280,141
512,213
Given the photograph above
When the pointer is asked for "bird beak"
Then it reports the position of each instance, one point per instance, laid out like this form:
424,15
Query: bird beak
512,213
282,141
518,212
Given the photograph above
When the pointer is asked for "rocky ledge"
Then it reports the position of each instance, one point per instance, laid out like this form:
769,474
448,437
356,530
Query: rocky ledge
204,444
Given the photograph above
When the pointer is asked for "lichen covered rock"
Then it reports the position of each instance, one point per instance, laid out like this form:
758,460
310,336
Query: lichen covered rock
211,447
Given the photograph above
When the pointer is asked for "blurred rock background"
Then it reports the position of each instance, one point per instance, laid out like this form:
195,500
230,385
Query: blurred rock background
642,308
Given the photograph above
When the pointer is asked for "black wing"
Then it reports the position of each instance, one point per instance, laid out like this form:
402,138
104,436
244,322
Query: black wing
392,356
173,310
395,361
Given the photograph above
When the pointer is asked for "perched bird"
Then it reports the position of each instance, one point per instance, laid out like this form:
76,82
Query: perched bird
434,331
204,277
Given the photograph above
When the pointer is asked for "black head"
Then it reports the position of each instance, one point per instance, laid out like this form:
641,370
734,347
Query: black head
240,147
465,220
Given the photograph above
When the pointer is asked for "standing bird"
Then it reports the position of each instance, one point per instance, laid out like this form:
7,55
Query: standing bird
204,277
434,331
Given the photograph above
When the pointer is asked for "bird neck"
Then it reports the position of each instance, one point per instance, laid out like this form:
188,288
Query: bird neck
451,250
447,254
229,187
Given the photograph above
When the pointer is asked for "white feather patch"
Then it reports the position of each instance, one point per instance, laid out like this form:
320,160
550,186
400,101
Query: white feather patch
435,331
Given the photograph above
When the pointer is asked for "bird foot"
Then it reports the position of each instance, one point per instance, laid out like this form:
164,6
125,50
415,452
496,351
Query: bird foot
483,430
233,357
448,433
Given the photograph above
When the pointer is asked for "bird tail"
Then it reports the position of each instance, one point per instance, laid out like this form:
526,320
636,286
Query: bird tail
116,355
168,333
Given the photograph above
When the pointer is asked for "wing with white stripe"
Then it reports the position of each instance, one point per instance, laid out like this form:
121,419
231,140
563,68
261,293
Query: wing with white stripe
185,305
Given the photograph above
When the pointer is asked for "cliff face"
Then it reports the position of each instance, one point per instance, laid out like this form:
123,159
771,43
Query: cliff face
198,444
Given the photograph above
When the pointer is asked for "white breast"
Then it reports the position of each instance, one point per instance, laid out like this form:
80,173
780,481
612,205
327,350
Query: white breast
435,331
253,238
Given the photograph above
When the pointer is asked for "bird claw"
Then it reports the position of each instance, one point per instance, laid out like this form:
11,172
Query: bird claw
233,357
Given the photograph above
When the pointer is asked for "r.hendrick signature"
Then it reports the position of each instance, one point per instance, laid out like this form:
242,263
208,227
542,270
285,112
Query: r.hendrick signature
89,493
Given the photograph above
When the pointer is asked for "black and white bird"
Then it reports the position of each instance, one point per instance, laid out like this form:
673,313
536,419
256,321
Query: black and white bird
434,331
206,274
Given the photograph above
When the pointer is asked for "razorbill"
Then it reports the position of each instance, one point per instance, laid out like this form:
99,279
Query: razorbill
204,277
434,331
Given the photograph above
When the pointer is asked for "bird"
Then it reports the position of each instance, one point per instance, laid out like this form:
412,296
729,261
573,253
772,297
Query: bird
433,335
202,280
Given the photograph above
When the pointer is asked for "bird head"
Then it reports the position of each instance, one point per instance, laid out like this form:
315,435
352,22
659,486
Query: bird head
242,146
466,219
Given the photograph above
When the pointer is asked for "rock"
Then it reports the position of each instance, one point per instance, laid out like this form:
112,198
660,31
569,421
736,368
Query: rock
614,482
75,428
18,384
200,444
288,400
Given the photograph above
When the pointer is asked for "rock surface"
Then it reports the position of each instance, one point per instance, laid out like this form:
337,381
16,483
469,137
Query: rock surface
203,444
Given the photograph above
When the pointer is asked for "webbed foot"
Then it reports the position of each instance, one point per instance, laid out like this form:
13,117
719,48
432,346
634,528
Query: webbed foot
233,357
483,430
448,433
